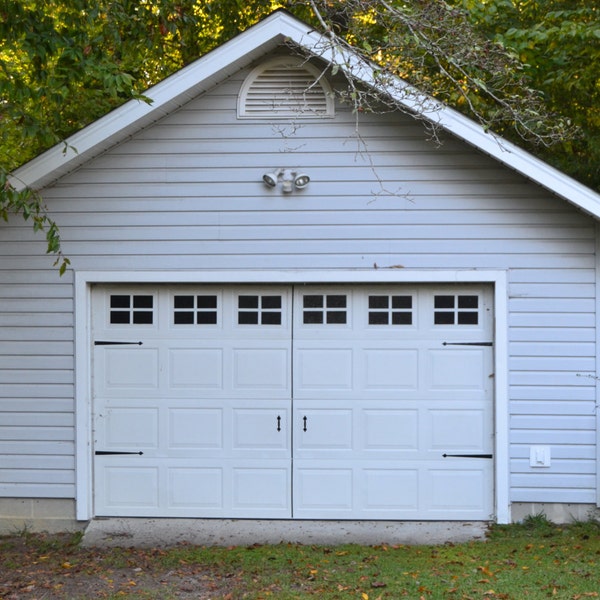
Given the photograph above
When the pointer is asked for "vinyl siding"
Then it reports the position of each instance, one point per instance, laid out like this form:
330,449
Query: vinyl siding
36,378
186,193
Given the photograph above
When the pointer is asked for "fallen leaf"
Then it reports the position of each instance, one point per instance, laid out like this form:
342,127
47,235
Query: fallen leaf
485,571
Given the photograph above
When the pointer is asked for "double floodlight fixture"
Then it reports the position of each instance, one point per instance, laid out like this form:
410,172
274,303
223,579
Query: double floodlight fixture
289,179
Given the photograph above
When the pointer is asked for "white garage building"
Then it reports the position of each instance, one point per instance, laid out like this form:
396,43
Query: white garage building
274,313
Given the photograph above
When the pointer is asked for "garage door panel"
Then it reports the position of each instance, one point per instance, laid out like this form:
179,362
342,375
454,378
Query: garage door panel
196,369
390,369
321,431
459,430
261,369
197,488
132,370
129,428
196,428
261,490
460,489
390,430
389,490
263,432
325,490
451,369
128,489
324,367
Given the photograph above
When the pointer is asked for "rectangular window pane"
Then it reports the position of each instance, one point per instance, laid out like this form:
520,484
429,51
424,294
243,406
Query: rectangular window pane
312,317
271,302
467,318
444,302
142,318
248,302
444,318
184,301
378,301
247,318
183,318
142,301
401,301
118,317
378,318
271,318
119,301
402,318
468,301
336,301
336,317
206,318
313,301
207,301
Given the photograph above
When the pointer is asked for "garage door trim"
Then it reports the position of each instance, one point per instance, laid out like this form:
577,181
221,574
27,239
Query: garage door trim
85,279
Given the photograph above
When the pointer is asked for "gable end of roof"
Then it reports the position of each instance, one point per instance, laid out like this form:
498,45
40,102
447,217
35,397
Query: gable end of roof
278,28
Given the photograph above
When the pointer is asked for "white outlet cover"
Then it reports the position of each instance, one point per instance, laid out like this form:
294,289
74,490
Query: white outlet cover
539,456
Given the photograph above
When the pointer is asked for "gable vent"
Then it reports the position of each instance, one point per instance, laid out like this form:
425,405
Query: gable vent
285,88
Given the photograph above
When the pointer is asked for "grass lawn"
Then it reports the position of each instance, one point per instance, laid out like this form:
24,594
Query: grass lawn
535,559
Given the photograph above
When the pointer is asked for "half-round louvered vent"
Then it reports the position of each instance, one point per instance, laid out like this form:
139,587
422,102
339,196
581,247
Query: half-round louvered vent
285,88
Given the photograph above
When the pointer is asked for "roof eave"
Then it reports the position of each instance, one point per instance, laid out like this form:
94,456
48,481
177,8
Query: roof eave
164,97
269,33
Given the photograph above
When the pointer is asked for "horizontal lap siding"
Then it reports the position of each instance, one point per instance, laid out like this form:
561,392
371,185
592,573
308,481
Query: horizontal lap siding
553,386
36,378
187,194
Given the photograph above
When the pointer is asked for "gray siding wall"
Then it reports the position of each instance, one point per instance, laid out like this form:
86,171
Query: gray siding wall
187,194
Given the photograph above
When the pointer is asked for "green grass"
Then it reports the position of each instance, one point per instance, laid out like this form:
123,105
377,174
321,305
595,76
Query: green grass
535,559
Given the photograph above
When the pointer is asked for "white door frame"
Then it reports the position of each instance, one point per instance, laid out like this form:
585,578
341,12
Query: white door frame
83,349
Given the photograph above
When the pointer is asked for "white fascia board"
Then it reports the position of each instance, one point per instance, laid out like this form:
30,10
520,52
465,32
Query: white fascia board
450,120
202,74
522,161
172,92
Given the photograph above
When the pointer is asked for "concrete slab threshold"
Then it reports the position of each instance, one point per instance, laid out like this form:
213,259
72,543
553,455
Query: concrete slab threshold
144,533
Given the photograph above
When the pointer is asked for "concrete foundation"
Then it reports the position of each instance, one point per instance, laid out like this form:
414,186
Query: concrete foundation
58,515
36,515
238,532
557,513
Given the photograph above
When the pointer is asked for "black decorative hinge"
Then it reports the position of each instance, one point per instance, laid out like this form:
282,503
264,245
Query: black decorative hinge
109,343
468,455
112,453
468,344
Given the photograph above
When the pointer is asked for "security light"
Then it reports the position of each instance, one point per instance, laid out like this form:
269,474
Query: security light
289,179
301,180
271,178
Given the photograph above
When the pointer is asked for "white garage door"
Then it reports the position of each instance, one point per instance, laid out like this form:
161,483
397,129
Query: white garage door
340,402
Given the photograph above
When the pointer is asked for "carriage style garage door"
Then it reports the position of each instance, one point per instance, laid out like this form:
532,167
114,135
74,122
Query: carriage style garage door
307,401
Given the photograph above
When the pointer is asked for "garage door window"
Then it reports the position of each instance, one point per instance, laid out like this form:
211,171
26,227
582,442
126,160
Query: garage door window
259,310
324,309
456,310
195,310
131,309
390,310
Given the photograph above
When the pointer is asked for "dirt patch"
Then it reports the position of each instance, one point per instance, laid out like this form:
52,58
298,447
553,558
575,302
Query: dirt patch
57,568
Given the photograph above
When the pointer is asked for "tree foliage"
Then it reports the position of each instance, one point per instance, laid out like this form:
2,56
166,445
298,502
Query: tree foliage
526,69
557,43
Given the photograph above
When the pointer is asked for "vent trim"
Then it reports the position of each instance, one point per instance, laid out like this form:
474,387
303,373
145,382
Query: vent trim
284,88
